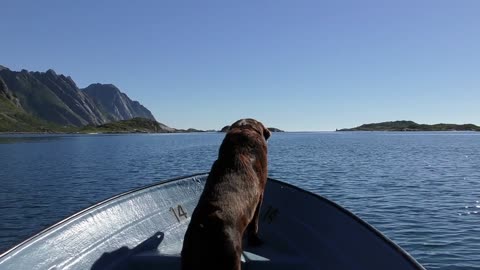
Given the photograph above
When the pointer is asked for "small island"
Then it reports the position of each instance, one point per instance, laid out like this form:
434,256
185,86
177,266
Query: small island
134,125
272,129
411,126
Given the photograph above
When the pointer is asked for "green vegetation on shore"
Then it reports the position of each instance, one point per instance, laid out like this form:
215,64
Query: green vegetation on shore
412,126
134,125
13,118
24,123
141,125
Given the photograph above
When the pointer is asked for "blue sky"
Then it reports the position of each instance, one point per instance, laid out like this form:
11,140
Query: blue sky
296,65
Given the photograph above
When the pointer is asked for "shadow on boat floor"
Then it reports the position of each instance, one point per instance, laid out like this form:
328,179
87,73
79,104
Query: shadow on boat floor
121,258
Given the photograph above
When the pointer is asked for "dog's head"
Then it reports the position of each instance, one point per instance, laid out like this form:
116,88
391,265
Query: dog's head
253,124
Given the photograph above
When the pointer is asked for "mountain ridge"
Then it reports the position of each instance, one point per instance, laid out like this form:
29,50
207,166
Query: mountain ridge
107,97
56,99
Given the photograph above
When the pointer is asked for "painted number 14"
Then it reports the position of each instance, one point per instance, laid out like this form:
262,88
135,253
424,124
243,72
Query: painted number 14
179,213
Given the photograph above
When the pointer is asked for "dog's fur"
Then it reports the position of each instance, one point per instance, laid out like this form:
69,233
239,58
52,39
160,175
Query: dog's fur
230,203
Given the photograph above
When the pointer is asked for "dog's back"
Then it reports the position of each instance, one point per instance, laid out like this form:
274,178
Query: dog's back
229,202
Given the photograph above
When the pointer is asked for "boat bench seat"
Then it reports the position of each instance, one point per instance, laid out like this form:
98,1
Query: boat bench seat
153,260
250,261
280,261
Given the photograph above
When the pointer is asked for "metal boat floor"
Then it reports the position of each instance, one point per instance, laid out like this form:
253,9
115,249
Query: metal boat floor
276,253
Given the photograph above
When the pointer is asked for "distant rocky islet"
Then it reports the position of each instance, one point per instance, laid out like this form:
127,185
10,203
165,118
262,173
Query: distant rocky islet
405,125
272,129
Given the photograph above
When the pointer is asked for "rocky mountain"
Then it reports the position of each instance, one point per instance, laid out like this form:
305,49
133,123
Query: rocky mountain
55,98
12,115
8,97
114,104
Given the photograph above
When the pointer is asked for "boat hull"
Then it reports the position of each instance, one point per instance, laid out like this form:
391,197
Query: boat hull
144,229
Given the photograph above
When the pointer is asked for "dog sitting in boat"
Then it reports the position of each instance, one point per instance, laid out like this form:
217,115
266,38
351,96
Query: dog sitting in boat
230,203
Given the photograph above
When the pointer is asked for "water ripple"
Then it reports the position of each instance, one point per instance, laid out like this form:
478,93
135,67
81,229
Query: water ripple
419,189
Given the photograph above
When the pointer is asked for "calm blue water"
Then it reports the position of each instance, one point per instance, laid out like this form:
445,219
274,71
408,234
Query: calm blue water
420,189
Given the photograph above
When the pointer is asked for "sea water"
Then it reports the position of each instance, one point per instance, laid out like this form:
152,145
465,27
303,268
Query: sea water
422,190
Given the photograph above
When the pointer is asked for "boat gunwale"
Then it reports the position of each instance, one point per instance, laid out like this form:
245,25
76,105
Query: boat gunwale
95,205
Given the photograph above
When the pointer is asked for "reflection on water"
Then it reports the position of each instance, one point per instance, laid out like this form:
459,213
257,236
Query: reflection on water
473,209
5,139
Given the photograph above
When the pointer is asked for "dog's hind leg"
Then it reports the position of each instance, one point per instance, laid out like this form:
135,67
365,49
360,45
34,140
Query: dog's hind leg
252,228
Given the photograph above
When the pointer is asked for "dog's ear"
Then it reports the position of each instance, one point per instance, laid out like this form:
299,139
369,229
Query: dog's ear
266,133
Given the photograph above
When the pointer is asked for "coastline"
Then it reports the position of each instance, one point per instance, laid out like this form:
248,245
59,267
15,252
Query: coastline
407,131
410,126
95,133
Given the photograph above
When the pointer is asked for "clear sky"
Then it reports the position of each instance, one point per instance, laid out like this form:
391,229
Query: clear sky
295,65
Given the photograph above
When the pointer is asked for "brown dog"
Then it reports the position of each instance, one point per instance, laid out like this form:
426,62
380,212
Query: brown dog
230,202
